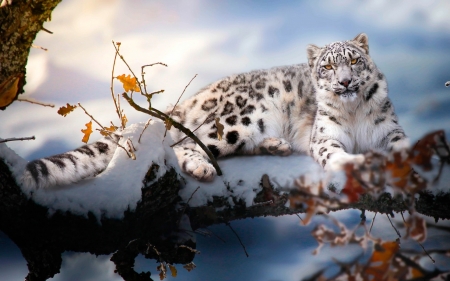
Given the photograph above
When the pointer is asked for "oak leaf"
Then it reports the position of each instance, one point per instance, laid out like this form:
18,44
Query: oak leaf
108,130
129,83
87,132
219,129
64,110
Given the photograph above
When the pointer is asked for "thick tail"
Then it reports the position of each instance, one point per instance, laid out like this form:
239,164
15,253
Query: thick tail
72,166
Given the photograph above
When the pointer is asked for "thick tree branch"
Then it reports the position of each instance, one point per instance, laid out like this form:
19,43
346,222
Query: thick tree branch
19,24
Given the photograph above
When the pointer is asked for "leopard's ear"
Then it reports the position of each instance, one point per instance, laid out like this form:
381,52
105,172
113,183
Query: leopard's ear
313,51
362,41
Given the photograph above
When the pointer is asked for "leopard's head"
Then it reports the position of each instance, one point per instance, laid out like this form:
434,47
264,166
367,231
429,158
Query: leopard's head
342,69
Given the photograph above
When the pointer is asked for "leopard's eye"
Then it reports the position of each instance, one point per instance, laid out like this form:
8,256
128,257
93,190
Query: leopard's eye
328,66
353,61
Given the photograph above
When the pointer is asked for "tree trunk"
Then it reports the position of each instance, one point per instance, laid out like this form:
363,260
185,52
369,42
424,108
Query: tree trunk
19,24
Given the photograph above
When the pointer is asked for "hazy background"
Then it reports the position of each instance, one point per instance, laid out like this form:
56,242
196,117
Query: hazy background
409,41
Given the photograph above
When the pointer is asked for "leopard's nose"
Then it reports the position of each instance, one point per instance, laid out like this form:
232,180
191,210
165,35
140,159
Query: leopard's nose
345,82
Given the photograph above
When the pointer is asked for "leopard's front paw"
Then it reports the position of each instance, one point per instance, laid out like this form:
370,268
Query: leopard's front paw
275,146
339,160
200,170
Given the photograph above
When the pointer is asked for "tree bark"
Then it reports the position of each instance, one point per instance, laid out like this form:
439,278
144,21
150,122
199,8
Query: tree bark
19,24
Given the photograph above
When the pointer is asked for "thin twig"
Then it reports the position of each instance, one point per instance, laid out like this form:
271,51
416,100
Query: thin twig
39,47
92,117
187,204
182,94
132,156
194,130
162,116
299,217
17,139
229,225
373,220
423,248
112,81
142,73
36,102
145,127
396,230
46,30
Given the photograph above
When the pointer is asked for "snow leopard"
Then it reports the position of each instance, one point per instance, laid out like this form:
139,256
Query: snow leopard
334,108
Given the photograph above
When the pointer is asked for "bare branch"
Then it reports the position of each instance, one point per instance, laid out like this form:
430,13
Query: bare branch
36,102
162,116
17,139
242,244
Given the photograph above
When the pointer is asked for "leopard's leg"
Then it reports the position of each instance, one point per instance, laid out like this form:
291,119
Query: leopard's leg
274,146
194,163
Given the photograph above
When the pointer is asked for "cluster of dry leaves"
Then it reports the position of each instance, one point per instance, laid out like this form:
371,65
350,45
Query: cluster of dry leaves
400,172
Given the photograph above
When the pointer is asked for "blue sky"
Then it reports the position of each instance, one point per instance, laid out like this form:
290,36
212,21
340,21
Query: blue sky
409,41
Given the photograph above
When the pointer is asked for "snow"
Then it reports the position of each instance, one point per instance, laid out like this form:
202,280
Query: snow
118,188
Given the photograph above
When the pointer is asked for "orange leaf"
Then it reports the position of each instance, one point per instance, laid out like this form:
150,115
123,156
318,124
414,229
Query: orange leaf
64,110
106,130
124,121
173,270
129,83
8,89
381,259
400,170
87,132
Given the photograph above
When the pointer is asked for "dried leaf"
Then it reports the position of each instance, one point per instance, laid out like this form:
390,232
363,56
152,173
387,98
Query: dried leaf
173,270
168,124
64,110
219,129
129,83
416,228
8,89
162,271
353,188
87,132
124,121
381,259
189,266
111,128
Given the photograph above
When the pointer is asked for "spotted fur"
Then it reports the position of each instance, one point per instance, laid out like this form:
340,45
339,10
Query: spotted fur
334,108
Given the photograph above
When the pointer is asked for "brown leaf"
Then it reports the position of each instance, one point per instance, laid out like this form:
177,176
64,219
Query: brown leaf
8,89
64,110
219,129
353,188
416,228
87,132
189,266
